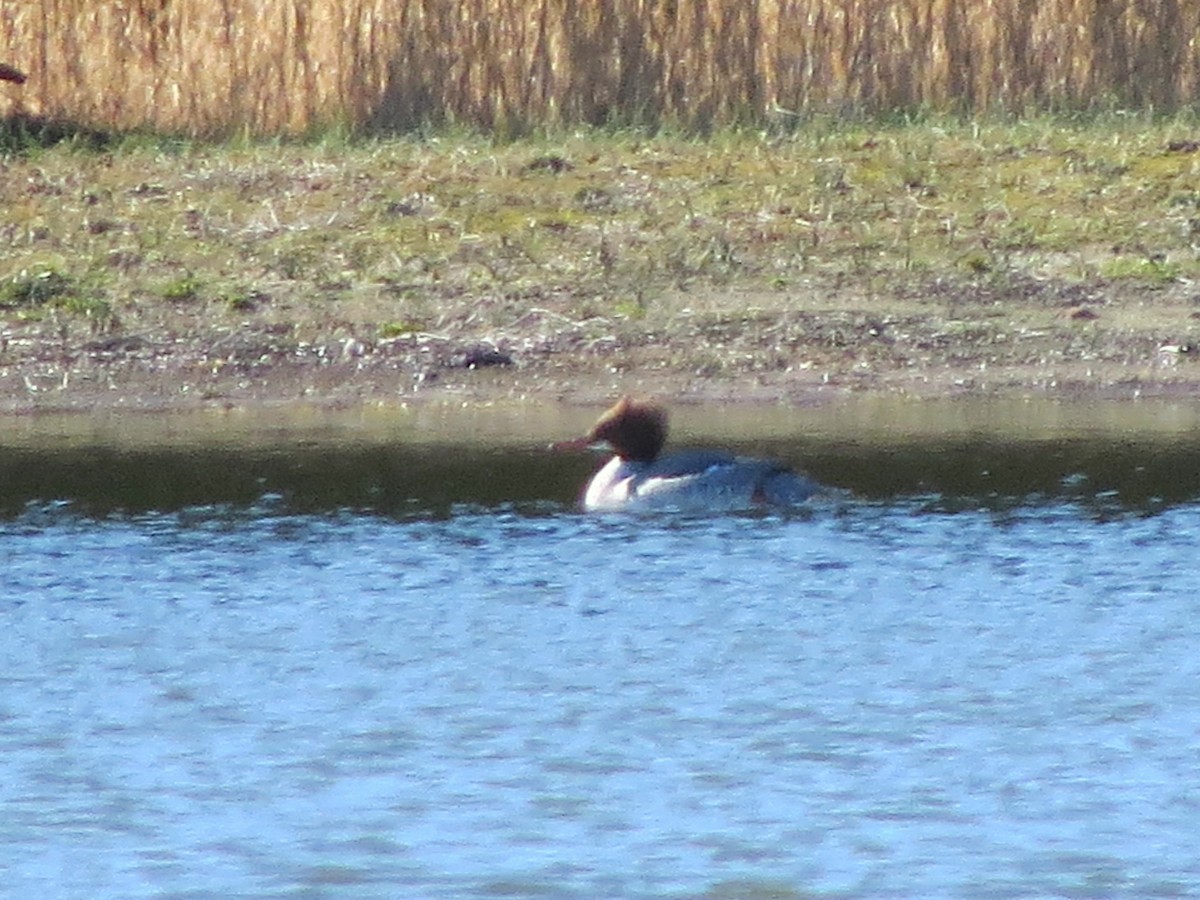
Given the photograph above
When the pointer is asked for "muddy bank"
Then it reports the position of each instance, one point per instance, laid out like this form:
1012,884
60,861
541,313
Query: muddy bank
941,340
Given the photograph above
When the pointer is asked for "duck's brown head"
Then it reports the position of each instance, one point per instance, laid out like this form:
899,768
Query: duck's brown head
634,429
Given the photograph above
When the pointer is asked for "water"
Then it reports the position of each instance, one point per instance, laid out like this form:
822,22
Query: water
320,663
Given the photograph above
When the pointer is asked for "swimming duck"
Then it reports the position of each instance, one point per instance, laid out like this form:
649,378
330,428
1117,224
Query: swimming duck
639,477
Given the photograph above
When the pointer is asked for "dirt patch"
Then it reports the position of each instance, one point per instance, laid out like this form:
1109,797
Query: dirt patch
933,340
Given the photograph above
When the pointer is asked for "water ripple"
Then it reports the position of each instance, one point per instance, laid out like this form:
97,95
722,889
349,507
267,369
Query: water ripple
872,700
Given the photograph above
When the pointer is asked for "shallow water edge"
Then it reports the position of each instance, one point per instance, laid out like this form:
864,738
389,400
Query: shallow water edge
378,654
404,460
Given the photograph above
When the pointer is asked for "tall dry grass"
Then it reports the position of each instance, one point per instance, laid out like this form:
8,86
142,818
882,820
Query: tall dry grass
268,66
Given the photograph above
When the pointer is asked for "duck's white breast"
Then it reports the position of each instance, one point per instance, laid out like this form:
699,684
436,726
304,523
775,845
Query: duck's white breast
709,481
611,487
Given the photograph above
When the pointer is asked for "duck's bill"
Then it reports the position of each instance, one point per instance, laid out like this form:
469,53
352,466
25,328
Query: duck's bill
577,445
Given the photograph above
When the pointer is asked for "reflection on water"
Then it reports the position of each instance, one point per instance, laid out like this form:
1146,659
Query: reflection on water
1132,456
402,480
338,661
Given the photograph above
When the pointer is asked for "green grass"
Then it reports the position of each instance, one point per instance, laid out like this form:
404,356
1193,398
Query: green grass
1153,271
182,289
623,226
27,290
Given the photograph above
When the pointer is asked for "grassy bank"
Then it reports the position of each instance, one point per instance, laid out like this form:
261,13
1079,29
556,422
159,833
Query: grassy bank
846,252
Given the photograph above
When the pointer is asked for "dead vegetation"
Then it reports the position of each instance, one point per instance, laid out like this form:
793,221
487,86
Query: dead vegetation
510,66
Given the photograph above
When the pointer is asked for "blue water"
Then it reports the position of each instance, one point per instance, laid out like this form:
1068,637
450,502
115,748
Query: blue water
887,697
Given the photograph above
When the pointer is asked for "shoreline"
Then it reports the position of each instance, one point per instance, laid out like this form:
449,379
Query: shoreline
189,378
927,261
770,350
338,386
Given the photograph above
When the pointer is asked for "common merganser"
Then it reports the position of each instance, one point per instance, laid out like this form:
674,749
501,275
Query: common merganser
638,478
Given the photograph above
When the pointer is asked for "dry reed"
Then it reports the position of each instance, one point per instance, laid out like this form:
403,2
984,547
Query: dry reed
286,66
